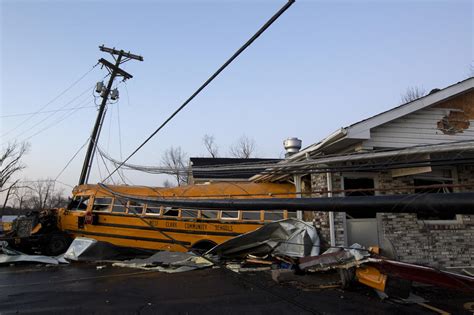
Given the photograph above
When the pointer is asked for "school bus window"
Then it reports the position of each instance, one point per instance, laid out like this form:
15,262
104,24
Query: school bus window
171,212
136,207
291,214
273,215
209,214
79,203
101,204
251,215
230,215
153,210
119,206
189,213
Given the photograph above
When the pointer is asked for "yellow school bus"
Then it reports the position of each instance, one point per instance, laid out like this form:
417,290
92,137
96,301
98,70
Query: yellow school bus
97,213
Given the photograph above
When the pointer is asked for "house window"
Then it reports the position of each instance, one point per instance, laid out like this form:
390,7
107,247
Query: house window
362,186
421,188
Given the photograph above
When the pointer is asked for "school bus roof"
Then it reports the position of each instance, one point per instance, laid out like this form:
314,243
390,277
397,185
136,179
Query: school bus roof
210,190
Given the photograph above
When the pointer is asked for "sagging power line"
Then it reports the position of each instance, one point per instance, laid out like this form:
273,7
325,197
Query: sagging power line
209,80
52,100
46,111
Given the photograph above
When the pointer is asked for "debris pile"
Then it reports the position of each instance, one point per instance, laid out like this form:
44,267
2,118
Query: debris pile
169,262
288,249
278,243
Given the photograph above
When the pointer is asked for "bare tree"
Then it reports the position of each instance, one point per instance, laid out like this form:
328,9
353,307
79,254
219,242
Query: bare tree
20,197
43,195
412,93
10,165
57,199
210,145
167,183
41,191
244,148
174,159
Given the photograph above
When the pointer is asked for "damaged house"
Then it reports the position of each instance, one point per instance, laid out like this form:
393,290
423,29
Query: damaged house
424,146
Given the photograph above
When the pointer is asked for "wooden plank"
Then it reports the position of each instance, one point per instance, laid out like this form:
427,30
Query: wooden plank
410,171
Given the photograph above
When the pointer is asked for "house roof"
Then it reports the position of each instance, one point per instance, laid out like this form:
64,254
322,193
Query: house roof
208,168
359,131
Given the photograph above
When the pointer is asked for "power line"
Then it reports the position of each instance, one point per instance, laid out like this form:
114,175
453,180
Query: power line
53,100
52,114
54,123
310,166
45,180
211,78
45,112
70,160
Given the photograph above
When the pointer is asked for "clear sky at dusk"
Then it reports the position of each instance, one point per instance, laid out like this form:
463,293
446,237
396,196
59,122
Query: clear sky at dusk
321,66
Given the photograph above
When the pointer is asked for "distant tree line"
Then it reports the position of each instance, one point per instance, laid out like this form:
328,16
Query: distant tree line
175,159
20,194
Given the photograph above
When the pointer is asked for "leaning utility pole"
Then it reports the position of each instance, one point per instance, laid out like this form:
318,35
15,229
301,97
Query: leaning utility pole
114,71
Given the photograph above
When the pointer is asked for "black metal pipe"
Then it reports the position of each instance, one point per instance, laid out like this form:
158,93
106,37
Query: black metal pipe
453,203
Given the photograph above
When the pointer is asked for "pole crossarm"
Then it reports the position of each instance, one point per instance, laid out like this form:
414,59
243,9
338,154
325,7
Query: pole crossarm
114,51
112,68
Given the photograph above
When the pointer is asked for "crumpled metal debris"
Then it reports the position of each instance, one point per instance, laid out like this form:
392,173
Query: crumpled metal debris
169,262
336,258
88,249
78,246
290,237
8,256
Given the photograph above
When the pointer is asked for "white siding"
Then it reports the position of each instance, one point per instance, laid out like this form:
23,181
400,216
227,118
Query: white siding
415,129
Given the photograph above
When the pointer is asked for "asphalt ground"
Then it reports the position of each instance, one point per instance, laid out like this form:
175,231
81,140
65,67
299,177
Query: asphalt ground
84,289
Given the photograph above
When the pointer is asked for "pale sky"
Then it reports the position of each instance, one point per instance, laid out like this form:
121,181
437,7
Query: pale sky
321,66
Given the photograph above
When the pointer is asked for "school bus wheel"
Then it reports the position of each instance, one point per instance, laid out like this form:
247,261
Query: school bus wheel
57,244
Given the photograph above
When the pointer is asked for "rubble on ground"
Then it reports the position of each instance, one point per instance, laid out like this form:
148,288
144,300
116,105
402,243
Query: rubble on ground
288,249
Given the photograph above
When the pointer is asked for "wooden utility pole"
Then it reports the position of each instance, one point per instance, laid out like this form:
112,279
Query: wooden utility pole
120,57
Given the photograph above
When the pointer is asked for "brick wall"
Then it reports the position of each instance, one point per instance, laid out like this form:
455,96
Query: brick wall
321,219
442,245
415,241
437,245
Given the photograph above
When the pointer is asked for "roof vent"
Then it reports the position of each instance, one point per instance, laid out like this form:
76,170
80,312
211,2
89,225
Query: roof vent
292,146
